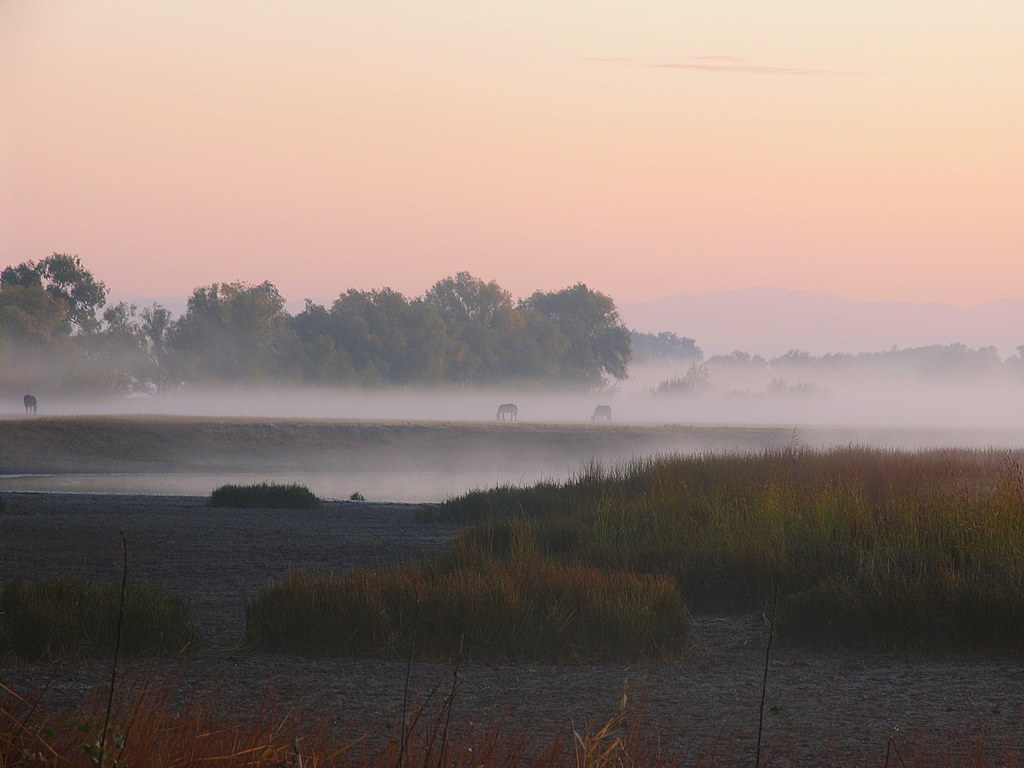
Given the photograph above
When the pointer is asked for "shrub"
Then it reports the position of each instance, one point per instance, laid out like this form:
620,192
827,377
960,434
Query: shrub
68,617
273,495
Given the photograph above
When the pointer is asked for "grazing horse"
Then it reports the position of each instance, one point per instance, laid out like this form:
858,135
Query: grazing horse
602,413
508,409
30,403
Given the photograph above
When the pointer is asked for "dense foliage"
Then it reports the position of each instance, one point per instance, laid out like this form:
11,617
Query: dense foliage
56,333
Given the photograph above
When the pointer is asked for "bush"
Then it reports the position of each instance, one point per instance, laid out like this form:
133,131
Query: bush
67,617
273,495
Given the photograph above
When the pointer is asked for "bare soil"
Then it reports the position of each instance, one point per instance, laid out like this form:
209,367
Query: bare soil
823,707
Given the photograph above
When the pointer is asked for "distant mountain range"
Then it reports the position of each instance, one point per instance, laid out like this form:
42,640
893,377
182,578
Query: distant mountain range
771,321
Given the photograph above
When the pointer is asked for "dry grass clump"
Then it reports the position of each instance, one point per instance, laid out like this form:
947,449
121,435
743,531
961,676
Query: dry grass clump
477,605
264,495
67,617
149,725
867,546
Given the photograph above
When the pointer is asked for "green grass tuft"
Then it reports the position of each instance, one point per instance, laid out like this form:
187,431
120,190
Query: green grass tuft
272,495
475,606
67,617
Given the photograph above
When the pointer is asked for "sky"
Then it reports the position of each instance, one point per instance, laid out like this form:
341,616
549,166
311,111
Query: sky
871,148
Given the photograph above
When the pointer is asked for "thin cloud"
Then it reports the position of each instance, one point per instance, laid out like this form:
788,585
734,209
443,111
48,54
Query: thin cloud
720,64
749,69
716,58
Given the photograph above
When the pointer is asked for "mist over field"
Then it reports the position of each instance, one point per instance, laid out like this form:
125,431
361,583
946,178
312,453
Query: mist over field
400,396
654,394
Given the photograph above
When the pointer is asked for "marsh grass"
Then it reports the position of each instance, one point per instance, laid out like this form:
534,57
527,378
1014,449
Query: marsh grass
271,495
475,605
67,618
867,546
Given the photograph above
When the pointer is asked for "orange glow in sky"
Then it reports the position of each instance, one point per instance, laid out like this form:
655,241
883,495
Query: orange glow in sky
872,148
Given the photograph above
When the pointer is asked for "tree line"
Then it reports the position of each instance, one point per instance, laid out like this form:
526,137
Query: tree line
58,332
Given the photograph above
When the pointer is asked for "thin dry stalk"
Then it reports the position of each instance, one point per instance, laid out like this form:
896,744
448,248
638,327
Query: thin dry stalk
117,650
764,678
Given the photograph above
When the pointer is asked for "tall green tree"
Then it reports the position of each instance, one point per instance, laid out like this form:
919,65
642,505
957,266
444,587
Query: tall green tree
232,332
156,324
598,342
117,350
64,278
30,315
482,318
390,338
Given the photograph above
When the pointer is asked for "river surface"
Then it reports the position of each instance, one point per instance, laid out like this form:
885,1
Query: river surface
399,486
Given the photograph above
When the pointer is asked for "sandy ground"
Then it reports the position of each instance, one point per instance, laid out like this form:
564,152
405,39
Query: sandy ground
822,708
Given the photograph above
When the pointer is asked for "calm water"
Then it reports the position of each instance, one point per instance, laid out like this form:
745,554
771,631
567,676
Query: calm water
404,486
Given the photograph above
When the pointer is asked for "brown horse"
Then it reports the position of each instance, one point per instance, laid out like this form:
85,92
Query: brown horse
30,403
508,409
602,413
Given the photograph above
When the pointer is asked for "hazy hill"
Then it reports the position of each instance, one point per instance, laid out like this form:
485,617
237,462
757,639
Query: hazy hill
770,321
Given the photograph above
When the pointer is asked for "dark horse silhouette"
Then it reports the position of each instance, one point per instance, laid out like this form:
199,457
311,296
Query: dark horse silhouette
602,413
508,409
30,403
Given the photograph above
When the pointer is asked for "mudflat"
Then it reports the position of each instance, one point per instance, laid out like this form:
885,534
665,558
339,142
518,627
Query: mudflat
822,706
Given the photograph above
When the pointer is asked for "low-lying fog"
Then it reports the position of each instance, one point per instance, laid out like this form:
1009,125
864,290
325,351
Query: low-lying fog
723,397
901,411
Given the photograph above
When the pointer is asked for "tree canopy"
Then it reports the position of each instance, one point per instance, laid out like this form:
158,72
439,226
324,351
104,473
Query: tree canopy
463,330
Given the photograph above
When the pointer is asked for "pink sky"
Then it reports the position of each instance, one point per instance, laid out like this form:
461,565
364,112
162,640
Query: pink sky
872,148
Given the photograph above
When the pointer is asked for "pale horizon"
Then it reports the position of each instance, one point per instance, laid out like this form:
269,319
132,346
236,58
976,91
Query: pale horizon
866,149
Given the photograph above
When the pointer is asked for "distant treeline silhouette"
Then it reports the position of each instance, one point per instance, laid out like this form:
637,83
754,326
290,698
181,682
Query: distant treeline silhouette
56,332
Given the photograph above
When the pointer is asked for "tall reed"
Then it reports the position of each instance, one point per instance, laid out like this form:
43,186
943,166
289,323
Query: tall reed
867,545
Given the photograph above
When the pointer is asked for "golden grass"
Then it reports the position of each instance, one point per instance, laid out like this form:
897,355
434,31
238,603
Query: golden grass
867,546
